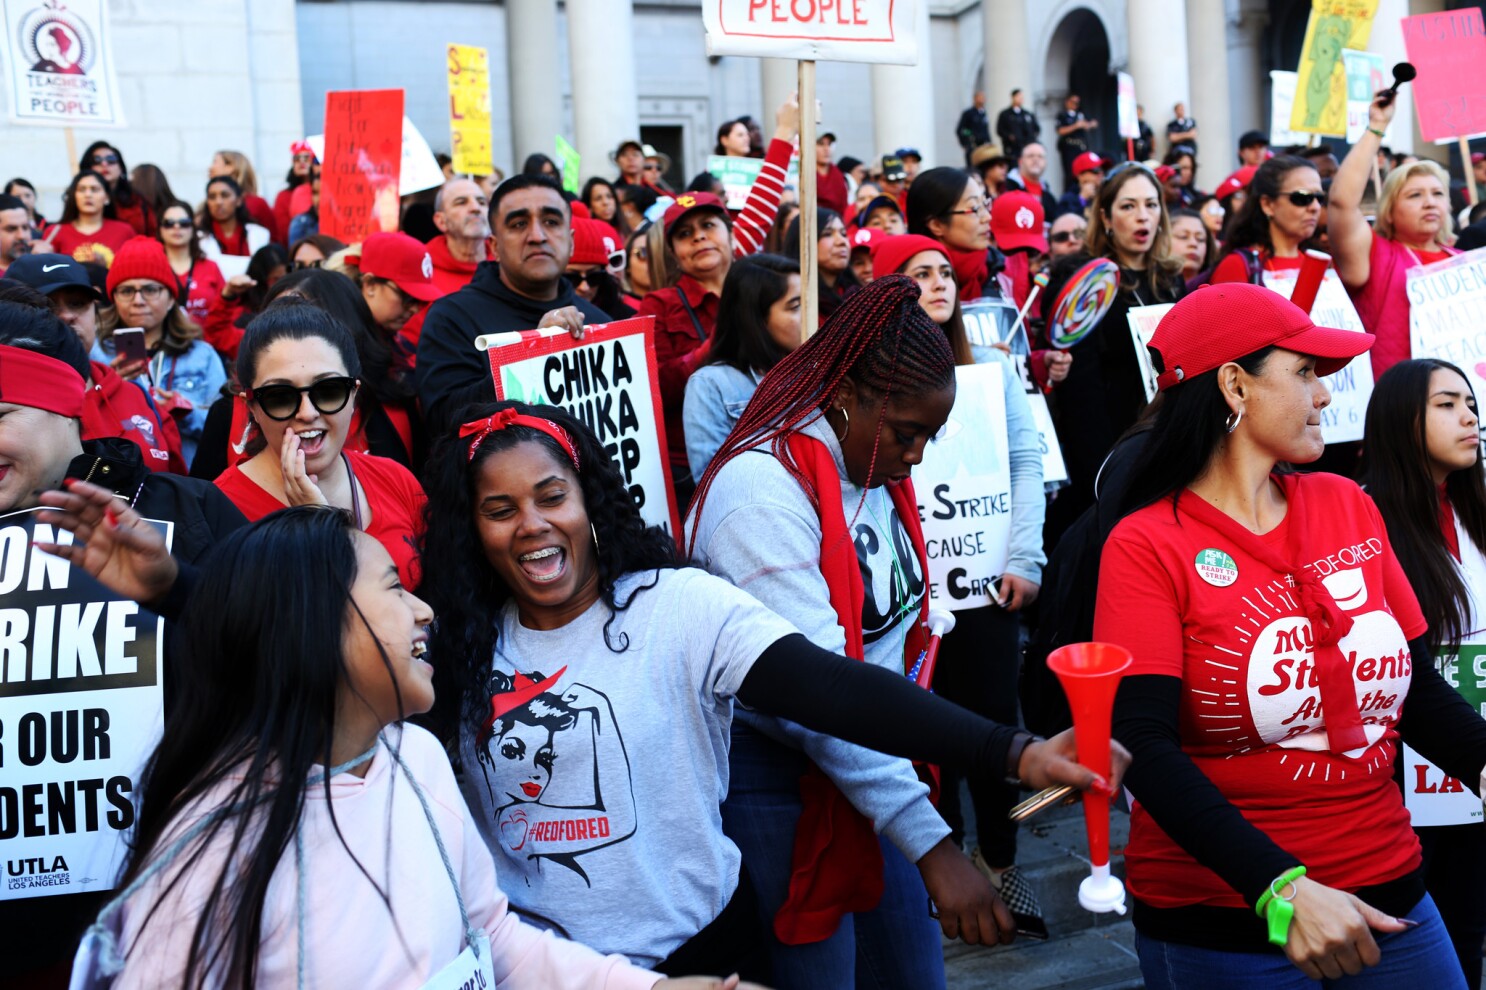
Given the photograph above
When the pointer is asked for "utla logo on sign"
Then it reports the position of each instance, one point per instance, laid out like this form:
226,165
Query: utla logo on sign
831,30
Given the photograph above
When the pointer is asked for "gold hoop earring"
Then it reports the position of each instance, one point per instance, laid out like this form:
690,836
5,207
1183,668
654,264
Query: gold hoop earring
845,432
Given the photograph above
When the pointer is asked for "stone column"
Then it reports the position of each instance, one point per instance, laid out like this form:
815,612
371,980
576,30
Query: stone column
779,78
1207,41
1158,34
601,52
903,110
1008,63
536,93
1249,88
273,68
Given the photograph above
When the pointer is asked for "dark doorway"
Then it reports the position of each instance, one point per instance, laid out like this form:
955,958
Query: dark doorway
667,140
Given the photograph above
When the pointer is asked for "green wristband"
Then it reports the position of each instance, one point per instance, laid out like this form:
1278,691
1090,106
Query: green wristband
1374,130
1275,908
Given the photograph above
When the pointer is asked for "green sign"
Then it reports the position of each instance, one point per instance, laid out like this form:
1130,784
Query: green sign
568,161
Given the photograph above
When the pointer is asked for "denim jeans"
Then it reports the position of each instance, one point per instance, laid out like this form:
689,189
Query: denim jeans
892,947
1417,959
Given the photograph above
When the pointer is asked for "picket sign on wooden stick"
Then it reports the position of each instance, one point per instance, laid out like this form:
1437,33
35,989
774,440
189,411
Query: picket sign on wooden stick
809,283
1470,173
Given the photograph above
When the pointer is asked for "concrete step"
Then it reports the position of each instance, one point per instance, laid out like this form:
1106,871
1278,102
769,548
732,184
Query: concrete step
1096,959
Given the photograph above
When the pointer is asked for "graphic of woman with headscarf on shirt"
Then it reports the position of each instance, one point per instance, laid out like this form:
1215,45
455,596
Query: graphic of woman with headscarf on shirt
530,732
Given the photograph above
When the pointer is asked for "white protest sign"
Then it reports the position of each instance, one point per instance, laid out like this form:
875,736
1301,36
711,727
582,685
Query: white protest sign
1143,322
1432,796
1281,104
813,30
964,492
989,322
1129,120
81,709
420,170
1447,313
60,62
608,382
1351,388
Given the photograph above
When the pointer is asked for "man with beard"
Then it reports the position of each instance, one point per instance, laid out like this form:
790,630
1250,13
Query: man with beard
15,231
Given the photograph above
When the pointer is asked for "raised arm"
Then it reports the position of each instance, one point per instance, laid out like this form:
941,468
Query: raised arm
1351,237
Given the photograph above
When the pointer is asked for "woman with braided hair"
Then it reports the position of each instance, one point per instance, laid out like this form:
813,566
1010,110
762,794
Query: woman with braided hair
808,508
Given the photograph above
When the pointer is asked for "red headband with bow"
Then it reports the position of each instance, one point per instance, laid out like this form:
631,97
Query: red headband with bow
482,428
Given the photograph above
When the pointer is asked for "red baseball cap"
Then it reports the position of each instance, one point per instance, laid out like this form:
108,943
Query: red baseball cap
1165,173
1221,323
865,237
1088,162
1017,221
686,203
1238,180
893,252
403,260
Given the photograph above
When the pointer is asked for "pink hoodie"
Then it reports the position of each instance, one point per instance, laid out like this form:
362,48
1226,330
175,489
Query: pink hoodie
353,939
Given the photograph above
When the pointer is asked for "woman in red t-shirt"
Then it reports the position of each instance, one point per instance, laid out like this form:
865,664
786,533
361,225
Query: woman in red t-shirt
1279,214
129,206
1423,469
1413,228
88,231
201,280
1275,641
301,373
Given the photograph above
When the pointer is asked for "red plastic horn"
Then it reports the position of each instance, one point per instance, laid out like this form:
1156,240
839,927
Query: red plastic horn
1090,673
1313,265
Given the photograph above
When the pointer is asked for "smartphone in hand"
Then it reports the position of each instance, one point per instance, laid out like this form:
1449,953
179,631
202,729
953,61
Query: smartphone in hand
131,346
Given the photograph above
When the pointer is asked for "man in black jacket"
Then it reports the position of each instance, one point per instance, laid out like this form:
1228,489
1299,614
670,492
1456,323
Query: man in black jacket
973,129
1017,127
522,289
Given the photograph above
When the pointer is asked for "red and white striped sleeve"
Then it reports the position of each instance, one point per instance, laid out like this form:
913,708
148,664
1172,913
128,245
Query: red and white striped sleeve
752,225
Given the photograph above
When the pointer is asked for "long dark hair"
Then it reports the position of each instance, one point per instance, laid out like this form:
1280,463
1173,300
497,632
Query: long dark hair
586,197
337,295
121,193
830,297
1182,213
741,339
1396,473
464,589
1250,227
204,219
69,198
881,339
724,129
153,187
1189,425
260,266
538,163
933,194
263,649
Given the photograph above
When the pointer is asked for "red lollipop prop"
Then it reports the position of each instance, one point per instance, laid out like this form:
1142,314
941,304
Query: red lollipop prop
1090,673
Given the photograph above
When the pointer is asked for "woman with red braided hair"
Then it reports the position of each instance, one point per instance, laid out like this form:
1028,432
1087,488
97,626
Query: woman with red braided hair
808,508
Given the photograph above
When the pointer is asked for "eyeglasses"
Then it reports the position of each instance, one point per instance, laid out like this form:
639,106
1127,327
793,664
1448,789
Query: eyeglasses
296,266
104,160
174,224
975,207
1065,236
1303,199
304,157
151,292
281,402
652,166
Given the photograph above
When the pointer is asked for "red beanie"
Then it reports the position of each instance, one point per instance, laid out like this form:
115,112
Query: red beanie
891,253
593,242
142,257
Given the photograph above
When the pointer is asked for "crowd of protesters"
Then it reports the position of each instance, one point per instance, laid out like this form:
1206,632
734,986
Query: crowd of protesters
638,756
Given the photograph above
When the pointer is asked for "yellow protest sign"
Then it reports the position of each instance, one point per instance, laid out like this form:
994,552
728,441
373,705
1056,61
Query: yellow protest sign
469,109
1321,84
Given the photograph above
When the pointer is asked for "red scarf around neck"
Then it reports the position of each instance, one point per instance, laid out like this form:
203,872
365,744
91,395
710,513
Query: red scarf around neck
972,269
236,245
837,865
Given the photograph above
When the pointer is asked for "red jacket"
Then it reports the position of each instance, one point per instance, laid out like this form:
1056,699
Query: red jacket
449,273
114,407
681,347
830,189
264,217
203,290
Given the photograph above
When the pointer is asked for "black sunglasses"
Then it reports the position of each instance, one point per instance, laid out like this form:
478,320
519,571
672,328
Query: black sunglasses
1064,236
1304,199
596,277
281,402
104,159
171,224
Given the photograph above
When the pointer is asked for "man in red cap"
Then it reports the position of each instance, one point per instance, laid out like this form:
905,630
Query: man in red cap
1017,223
461,211
1088,171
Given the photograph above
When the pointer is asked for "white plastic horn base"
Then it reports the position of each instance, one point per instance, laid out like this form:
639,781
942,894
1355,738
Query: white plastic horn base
1102,892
